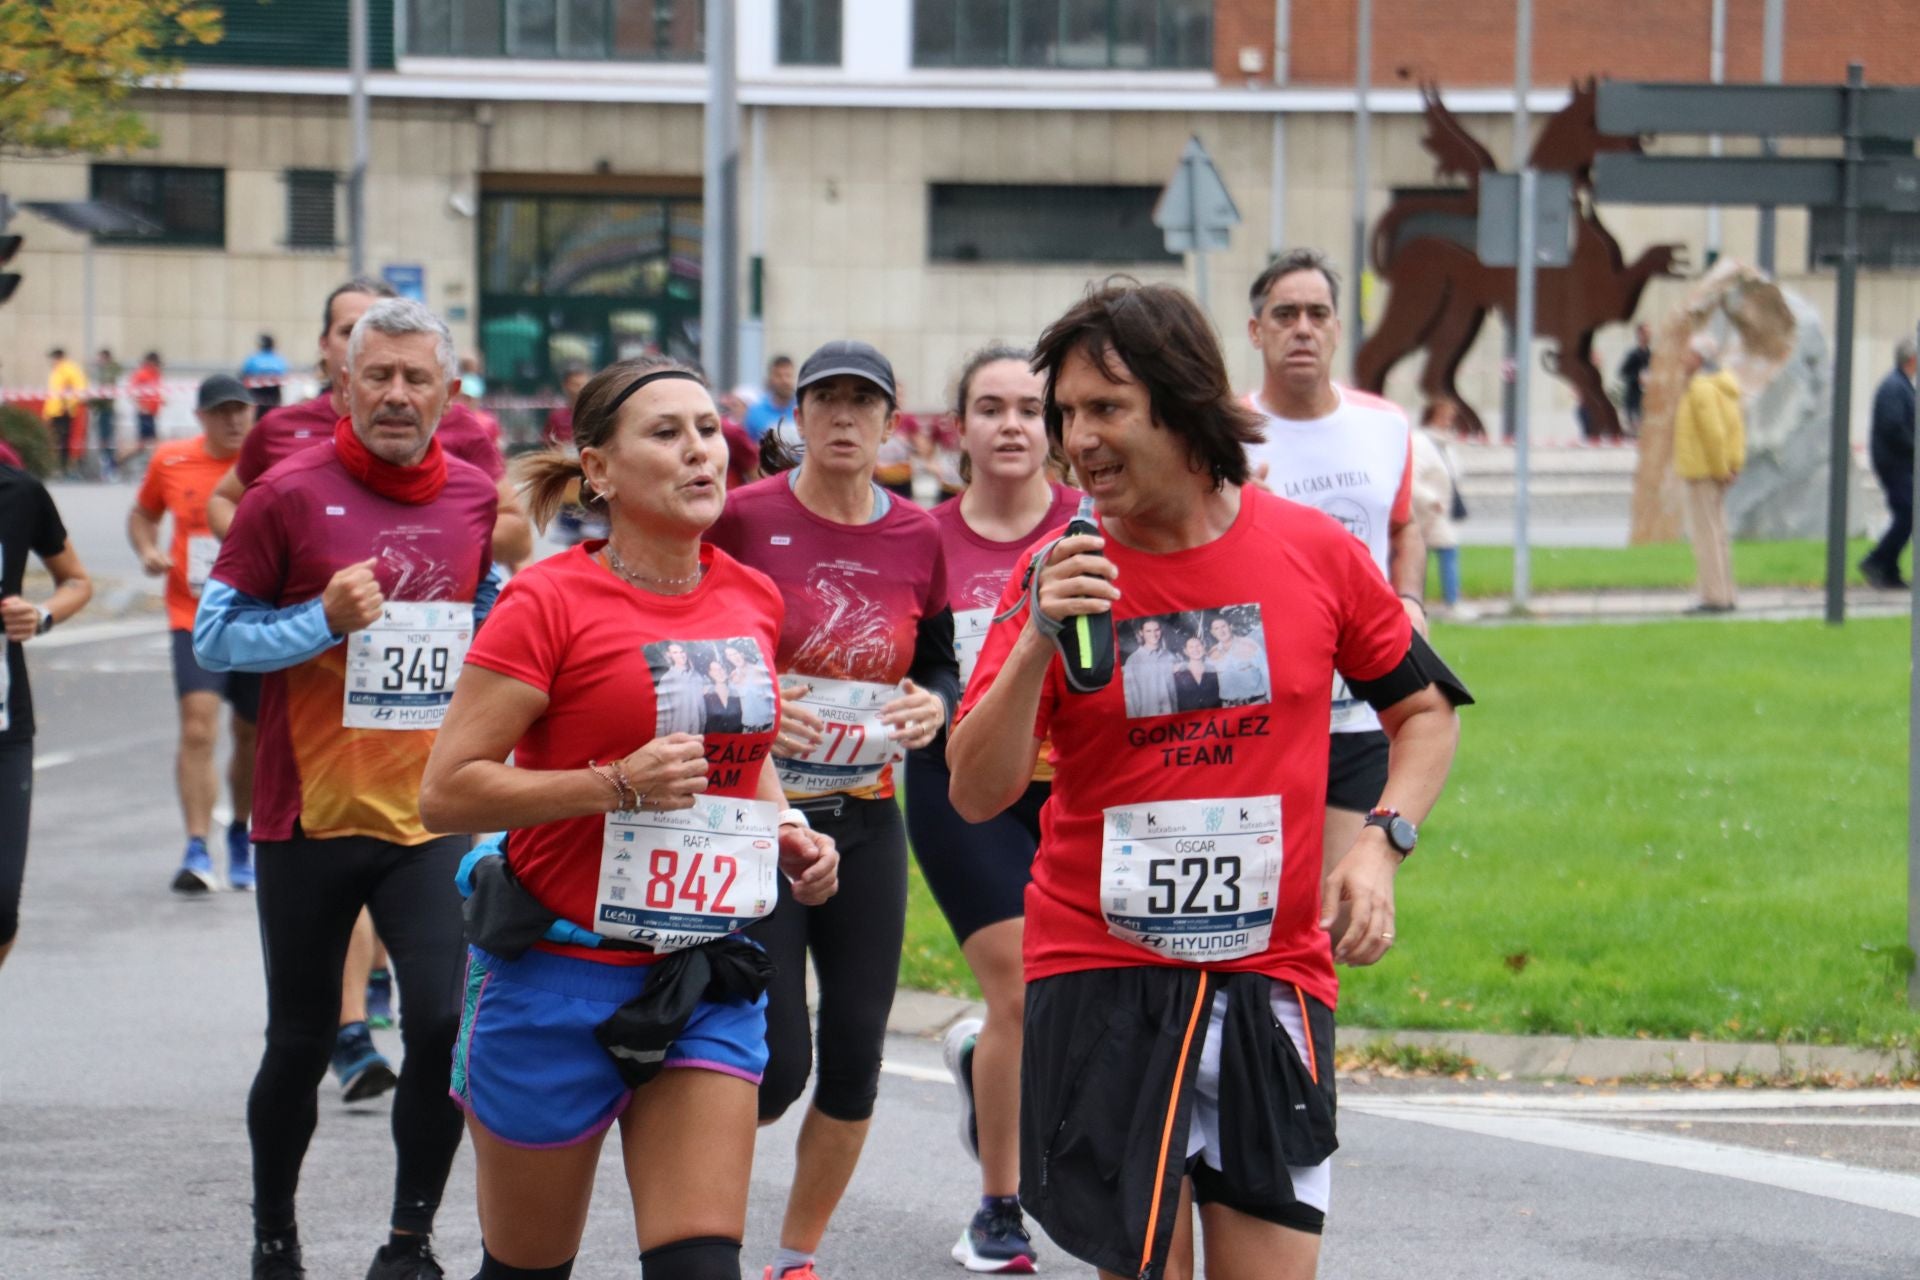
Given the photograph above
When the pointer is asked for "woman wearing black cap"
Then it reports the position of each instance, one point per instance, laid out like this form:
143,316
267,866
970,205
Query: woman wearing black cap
868,672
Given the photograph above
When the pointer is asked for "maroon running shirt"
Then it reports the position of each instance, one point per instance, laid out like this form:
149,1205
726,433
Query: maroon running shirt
855,593
305,521
285,431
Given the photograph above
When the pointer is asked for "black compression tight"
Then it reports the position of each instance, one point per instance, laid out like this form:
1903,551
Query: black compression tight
16,798
310,893
855,939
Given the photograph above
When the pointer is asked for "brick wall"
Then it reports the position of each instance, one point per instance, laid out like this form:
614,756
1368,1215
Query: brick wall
1238,25
1627,39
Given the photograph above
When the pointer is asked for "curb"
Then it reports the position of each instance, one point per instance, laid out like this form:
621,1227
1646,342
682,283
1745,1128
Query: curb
927,1015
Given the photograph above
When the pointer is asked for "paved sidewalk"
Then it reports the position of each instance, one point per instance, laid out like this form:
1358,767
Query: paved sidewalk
923,1013
1763,604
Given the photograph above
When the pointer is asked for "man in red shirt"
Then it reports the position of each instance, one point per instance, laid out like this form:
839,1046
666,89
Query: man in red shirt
1174,920
182,474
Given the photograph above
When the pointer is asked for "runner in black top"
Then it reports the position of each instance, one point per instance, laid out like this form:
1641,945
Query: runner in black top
29,524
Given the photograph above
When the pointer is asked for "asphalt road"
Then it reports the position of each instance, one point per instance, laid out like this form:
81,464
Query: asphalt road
130,1025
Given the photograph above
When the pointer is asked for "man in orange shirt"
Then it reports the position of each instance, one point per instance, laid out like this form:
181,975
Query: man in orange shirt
181,475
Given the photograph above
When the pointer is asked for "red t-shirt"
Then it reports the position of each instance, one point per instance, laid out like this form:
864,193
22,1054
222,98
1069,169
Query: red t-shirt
743,455
285,431
855,593
178,482
1284,577
590,642
298,526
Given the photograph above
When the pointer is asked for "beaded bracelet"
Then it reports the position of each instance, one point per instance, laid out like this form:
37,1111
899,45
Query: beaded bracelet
622,792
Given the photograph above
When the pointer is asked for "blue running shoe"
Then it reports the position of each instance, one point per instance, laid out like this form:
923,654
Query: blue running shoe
362,1071
997,1241
239,860
379,999
195,875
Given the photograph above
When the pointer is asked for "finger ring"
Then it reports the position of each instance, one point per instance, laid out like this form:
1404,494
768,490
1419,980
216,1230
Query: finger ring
1386,937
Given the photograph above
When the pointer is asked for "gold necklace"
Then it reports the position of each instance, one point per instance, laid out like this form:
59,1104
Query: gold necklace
619,566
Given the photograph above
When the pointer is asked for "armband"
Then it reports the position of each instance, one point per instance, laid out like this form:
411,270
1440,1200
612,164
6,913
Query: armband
1420,668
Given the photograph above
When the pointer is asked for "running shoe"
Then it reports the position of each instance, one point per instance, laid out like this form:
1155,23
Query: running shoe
362,1071
379,999
414,1264
996,1240
958,1051
278,1260
804,1272
239,860
195,875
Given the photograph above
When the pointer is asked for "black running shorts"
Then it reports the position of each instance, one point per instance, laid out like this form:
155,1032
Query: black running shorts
1356,770
1108,1097
240,688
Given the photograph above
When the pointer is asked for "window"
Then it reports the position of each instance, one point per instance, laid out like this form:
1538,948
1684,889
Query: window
980,222
586,30
189,206
1889,241
1066,34
310,209
810,33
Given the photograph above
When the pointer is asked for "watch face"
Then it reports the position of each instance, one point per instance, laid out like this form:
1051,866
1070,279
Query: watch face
1402,834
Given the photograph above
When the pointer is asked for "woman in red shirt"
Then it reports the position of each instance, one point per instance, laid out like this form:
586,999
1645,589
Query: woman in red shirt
646,849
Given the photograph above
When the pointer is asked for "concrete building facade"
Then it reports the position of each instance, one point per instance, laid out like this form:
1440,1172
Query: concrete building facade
912,173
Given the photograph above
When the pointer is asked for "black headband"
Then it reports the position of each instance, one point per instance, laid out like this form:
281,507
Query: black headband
644,379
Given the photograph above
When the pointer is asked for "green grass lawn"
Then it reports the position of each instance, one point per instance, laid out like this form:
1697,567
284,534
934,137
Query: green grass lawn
1666,830
1488,571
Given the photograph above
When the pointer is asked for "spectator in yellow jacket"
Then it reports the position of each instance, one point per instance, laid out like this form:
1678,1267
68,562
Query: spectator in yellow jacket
65,382
1709,450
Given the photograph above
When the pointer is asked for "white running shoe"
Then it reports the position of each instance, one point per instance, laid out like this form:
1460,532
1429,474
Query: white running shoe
958,1051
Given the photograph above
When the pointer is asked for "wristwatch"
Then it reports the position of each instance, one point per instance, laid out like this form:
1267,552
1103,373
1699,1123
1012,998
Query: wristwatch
1401,834
46,621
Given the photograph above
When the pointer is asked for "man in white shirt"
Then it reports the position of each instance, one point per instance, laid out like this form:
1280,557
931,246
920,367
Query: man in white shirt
1351,455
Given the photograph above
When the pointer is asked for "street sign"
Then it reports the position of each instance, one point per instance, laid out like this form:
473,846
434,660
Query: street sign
1755,110
1498,234
1885,184
1194,211
407,279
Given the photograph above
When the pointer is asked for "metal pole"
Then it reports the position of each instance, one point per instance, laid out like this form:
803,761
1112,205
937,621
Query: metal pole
1716,72
1192,164
1772,37
1362,145
1913,775
357,115
720,204
1523,302
1840,435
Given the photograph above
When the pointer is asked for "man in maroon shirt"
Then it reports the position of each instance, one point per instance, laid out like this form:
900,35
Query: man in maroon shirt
285,431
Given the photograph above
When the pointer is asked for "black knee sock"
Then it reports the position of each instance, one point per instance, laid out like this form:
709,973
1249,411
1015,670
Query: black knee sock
491,1268
697,1258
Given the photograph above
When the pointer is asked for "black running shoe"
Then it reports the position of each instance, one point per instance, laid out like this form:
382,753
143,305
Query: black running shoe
277,1260
413,1264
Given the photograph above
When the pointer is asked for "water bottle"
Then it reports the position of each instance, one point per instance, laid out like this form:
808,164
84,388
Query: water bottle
1086,642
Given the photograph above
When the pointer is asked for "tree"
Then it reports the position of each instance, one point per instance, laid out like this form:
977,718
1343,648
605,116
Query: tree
67,68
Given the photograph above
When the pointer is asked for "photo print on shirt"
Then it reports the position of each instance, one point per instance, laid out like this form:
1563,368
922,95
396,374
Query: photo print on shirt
710,686
1194,660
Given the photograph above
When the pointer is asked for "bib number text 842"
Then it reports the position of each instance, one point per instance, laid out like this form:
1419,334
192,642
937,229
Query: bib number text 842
1167,876
667,888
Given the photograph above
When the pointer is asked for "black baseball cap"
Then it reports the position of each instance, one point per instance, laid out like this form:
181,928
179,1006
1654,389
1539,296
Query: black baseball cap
223,388
845,356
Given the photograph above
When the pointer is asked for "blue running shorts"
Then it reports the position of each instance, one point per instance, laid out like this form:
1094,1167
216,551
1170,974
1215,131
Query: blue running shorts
528,1068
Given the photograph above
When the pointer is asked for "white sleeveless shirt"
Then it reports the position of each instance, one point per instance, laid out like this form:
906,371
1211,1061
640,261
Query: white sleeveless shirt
1355,464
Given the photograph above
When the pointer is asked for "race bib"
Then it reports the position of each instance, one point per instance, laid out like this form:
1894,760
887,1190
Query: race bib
970,627
1192,880
679,879
400,670
855,747
202,551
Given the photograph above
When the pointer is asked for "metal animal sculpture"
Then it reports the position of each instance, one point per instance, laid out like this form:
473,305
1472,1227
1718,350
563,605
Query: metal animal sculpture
1440,292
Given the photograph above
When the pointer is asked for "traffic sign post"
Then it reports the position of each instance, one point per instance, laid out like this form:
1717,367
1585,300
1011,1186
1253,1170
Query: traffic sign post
1195,213
1856,114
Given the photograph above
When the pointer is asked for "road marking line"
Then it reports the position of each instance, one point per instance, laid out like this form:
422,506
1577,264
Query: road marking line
926,1075
98,632
1649,1103
1870,1188
54,759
